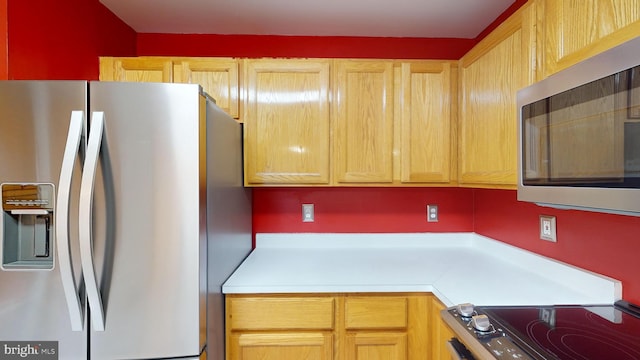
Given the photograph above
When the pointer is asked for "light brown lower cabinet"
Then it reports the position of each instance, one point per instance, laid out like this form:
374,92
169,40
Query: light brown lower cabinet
282,345
353,326
376,345
439,331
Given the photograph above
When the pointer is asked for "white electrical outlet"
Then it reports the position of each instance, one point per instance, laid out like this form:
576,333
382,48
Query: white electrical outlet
307,213
548,228
432,213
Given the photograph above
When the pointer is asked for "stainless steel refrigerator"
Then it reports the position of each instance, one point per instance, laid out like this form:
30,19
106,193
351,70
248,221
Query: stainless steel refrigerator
123,212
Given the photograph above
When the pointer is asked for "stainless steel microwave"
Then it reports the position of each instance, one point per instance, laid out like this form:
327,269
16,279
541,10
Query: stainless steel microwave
579,135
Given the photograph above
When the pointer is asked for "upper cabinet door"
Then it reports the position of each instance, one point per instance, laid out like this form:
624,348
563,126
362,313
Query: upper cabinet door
490,75
218,78
427,94
363,122
287,122
136,69
574,30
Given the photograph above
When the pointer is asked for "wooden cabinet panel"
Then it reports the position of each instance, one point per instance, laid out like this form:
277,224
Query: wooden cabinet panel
418,326
363,129
439,331
490,75
346,326
375,312
363,132
573,30
287,122
488,128
217,76
139,69
279,346
427,117
265,313
379,345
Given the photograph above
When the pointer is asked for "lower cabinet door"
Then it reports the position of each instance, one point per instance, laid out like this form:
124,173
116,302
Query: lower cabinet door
376,345
281,345
440,332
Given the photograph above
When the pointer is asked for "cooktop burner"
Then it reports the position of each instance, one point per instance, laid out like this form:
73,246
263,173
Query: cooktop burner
570,332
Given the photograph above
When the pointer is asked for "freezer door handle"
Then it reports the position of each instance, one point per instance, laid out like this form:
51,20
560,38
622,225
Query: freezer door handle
69,284
86,202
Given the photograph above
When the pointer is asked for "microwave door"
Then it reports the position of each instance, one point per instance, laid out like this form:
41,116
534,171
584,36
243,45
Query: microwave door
585,133
535,136
576,137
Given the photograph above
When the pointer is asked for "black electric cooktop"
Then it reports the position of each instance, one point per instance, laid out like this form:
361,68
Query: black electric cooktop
598,332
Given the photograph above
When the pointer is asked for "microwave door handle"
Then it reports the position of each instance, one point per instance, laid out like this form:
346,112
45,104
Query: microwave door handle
85,208
69,284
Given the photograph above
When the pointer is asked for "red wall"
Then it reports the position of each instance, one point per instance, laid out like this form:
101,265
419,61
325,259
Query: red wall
4,55
63,39
603,243
374,210
301,46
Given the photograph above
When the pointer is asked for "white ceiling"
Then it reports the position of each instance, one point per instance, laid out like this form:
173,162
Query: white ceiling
379,18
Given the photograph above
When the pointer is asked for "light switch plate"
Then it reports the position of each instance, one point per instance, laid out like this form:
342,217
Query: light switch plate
548,228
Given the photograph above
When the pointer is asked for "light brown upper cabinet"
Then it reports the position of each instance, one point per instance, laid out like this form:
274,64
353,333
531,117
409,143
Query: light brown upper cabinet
490,75
363,122
389,123
136,69
425,117
217,76
573,30
287,126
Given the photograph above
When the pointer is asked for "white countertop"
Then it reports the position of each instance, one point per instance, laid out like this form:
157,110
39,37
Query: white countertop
456,267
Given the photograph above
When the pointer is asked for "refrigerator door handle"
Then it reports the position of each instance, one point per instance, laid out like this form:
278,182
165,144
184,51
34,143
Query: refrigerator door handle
69,284
85,231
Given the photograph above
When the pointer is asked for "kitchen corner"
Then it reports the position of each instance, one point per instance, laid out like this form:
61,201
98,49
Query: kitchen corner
455,267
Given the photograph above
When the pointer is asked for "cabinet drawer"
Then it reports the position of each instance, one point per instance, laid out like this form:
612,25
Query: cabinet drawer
281,313
376,312
281,346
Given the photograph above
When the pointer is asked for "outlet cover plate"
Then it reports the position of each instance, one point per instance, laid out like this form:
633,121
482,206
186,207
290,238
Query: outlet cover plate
548,228
308,214
432,213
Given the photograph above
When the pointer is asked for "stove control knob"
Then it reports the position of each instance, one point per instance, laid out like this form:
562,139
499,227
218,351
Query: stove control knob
465,310
481,323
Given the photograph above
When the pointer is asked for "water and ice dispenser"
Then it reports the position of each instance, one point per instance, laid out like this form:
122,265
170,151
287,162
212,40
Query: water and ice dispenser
27,226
